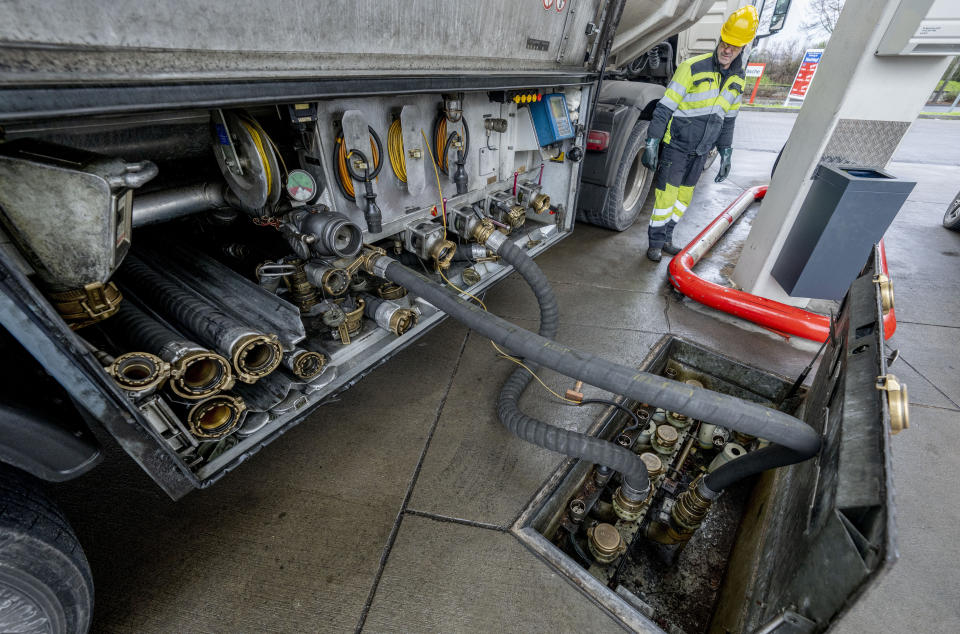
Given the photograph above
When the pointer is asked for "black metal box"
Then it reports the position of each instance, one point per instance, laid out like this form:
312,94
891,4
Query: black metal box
846,212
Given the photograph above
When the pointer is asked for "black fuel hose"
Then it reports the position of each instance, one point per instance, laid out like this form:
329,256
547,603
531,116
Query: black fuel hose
565,441
754,462
697,403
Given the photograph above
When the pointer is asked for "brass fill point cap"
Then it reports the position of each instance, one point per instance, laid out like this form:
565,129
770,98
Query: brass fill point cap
667,435
606,539
693,382
653,462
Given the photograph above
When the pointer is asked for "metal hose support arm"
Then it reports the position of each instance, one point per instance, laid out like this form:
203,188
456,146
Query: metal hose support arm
697,403
570,443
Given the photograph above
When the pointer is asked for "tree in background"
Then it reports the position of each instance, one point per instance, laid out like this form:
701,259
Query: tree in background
822,15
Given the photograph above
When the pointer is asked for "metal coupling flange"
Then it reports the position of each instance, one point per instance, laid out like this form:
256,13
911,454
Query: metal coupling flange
255,355
139,371
395,318
305,364
483,230
495,241
628,503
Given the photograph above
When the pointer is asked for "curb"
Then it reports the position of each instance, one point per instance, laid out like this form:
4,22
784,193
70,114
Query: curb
795,109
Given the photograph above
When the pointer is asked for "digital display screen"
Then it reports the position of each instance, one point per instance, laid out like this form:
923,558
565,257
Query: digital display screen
556,107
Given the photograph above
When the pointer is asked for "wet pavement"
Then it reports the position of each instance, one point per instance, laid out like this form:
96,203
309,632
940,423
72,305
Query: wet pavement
390,509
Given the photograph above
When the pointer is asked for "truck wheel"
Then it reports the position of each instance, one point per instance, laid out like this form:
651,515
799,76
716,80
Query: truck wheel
45,582
951,219
629,189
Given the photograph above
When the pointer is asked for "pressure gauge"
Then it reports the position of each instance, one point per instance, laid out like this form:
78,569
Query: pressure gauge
301,186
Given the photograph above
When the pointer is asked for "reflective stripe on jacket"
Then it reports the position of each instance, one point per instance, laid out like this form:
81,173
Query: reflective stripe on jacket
700,106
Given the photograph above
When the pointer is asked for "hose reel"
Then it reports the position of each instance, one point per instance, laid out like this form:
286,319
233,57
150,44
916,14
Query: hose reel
247,161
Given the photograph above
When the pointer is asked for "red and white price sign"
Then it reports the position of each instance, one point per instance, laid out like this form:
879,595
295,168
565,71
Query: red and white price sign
755,71
808,68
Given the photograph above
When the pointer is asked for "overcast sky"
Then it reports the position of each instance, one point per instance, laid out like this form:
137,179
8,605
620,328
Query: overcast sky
799,13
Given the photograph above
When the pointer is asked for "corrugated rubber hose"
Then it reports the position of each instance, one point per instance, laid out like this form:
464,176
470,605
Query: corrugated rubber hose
799,441
568,442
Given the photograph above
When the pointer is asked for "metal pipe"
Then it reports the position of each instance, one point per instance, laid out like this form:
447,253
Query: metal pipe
253,354
161,206
760,310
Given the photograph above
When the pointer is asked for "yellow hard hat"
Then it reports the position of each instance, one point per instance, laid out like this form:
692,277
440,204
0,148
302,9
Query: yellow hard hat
741,26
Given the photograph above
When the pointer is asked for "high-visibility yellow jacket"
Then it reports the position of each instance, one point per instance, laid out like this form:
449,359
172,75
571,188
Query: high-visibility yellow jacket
700,106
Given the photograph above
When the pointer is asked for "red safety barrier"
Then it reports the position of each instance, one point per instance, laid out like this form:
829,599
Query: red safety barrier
781,318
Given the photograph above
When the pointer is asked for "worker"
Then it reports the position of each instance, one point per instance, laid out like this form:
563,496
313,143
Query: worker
696,113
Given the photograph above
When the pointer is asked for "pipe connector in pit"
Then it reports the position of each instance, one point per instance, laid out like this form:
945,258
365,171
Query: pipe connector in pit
254,356
305,364
691,508
139,371
605,543
216,417
628,503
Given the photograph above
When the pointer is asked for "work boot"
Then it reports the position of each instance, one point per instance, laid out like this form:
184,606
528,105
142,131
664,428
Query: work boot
671,248
653,253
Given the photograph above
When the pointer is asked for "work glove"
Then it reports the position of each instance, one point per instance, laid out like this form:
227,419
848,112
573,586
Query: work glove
650,149
725,154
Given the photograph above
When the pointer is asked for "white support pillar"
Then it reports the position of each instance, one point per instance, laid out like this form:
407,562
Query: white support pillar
859,108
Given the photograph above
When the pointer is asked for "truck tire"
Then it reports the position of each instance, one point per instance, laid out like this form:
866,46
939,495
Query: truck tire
629,189
45,581
951,219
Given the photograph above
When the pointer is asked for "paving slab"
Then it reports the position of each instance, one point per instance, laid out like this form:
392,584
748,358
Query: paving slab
475,469
446,577
932,352
582,305
291,540
919,594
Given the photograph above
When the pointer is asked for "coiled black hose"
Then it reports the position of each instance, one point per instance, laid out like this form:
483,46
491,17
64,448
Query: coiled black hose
568,442
211,325
698,403
142,330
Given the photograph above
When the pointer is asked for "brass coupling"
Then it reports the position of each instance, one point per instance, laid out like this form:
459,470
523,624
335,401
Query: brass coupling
305,364
368,260
403,320
516,216
690,509
391,291
352,323
605,543
540,203
482,231
665,439
216,417
83,307
442,253
199,374
255,356
628,503
139,371
897,402
302,292
678,420
886,291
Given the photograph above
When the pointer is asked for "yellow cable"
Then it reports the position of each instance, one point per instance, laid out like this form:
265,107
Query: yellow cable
398,160
500,350
342,174
433,161
258,143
